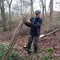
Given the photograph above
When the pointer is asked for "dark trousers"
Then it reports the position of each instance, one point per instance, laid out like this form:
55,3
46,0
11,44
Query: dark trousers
35,43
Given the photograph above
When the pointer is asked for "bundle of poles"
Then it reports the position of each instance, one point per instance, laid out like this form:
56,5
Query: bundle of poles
14,38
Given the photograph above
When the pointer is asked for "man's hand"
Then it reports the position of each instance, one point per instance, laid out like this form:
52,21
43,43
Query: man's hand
28,21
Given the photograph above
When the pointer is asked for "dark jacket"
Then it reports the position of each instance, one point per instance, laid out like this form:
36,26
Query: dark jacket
35,26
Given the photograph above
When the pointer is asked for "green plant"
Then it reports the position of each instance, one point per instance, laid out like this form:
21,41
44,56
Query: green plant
47,54
58,58
54,59
12,55
49,49
2,50
33,56
30,50
40,49
46,57
44,38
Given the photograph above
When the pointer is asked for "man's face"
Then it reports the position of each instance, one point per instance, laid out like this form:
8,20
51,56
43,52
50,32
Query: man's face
37,15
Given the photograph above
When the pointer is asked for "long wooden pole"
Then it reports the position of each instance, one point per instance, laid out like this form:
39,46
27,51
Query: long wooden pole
14,38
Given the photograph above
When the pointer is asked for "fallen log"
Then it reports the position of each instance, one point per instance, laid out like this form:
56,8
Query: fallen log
14,38
44,35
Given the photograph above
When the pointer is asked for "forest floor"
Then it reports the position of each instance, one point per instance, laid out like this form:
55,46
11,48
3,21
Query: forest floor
51,42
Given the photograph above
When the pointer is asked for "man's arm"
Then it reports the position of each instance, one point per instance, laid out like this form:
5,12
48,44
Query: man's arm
27,23
38,24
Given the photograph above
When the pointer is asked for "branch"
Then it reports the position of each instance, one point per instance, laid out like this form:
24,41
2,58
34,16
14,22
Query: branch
11,2
14,38
41,1
41,36
7,1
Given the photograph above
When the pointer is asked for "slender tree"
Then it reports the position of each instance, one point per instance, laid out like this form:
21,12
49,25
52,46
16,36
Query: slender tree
3,15
9,5
50,15
43,10
45,13
51,11
21,6
32,11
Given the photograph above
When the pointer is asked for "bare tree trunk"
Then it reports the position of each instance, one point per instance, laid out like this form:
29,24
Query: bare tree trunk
50,20
51,14
9,17
32,11
51,11
3,16
21,7
9,4
45,13
43,8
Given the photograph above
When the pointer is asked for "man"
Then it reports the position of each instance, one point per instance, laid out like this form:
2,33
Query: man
35,24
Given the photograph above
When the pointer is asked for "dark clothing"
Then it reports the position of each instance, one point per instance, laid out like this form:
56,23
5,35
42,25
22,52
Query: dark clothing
35,26
35,43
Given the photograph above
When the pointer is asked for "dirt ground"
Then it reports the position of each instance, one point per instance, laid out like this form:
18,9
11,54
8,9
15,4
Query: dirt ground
48,41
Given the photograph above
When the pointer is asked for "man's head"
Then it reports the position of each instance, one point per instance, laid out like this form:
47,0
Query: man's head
37,13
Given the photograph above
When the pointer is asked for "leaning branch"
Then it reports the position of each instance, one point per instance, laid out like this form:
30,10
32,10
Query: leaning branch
14,38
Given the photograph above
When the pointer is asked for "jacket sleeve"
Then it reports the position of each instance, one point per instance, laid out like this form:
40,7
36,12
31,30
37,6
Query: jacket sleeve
27,24
38,24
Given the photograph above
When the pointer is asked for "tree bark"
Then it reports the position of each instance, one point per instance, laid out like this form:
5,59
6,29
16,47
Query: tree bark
50,16
21,7
3,16
43,11
9,17
43,7
51,11
32,11
9,4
